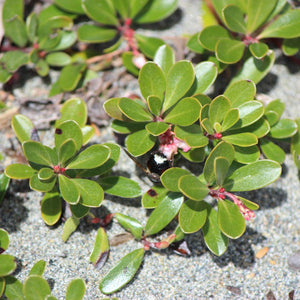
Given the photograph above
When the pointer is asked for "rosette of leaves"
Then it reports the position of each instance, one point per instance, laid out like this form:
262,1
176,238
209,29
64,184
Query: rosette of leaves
172,96
249,25
36,287
39,40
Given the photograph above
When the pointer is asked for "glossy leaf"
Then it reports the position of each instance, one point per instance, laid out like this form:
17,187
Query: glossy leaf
13,288
102,12
229,51
12,8
130,224
45,173
284,128
295,141
246,155
123,272
222,149
230,118
221,167
251,205
258,12
134,111
140,142
170,178
127,59
214,239
4,183
68,189
259,50
260,128
157,128
36,153
22,127
36,288
210,35
276,105
179,79
70,76
244,139
111,107
253,176
234,18
148,45
154,196
163,214
42,68
19,171
79,211
240,92
70,226
58,59
76,290
191,187
4,240
90,33
156,11
255,69
185,112
7,264
230,220
66,151
218,108
51,208
291,46
152,81
192,216
13,60
15,30
154,104
74,7
38,268
100,251
41,186
272,151
194,155
165,58
194,45
286,26
120,186
92,157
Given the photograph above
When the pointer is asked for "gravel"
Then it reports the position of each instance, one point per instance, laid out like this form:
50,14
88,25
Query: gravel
238,274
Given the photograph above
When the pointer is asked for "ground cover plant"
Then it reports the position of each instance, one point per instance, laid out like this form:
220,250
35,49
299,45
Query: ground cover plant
235,141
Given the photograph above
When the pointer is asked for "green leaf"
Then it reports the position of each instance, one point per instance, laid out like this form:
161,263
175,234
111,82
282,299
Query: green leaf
295,141
51,208
45,173
66,151
221,167
79,211
253,176
74,7
70,226
244,139
277,106
68,130
229,51
4,239
148,45
127,127
38,268
230,118
90,33
258,12
15,30
111,107
179,80
222,149
157,128
58,59
13,60
286,26
19,171
76,290
154,196
272,151
22,127
230,220
259,50
234,18
91,193
13,288
163,214
130,224
42,68
135,6
2,285
170,178
12,8
134,111
218,108
284,128
210,35
70,76
120,186
140,142
4,74
36,153
255,69
127,58
123,272
165,58
192,216
152,81
214,239
36,288
102,12
184,113
194,155
156,10
246,155
92,157
7,264
191,187
100,250
194,45
41,186
206,73
251,205
67,39
291,46
68,189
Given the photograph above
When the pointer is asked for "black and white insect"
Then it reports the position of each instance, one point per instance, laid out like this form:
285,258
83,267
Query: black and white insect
157,163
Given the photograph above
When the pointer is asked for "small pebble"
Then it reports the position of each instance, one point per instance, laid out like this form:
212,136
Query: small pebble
294,261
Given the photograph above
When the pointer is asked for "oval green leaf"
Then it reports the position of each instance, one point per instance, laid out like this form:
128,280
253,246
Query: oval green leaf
51,208
130,224
7,264
36,288
244,139
165,58
170,178
75,290
19,171
229,51
100,250
68,189
90,33
284,128
234,18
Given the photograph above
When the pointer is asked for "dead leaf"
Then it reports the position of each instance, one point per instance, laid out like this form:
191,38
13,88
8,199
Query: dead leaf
120,239
5,117
262,252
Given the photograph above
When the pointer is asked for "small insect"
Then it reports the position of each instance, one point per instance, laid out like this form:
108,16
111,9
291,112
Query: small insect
156,165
